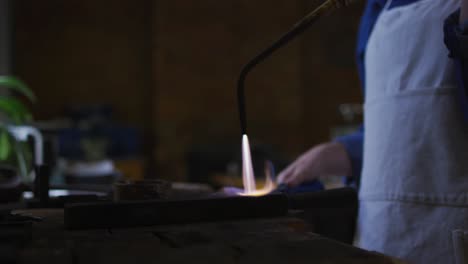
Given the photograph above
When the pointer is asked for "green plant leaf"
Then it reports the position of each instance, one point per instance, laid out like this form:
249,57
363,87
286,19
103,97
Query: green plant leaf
5,146
15,109
17,85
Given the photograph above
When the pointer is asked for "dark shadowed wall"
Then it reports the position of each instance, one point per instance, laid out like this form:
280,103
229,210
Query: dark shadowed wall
6,26
170,67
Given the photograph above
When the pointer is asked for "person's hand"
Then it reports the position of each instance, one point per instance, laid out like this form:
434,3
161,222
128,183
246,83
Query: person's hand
323,160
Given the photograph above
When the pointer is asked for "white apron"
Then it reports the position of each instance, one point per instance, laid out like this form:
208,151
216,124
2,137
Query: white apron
414,188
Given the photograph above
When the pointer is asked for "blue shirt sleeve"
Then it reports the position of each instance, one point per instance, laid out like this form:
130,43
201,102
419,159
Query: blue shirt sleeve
457,44
353,144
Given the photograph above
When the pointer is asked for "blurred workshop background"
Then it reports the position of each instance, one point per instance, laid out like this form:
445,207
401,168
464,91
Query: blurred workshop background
147,88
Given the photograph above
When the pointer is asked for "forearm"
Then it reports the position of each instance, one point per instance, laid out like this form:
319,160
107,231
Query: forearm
328,159
464,11
353,144
334,160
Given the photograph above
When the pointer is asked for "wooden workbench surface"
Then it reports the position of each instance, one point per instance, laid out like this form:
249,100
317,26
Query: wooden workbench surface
280,240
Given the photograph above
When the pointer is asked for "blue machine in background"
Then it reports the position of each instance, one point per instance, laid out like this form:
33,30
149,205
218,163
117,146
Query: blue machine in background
95,124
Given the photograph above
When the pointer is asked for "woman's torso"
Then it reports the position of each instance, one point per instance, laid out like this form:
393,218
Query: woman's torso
415,150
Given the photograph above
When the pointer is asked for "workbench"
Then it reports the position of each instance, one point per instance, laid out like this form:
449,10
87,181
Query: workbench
272,240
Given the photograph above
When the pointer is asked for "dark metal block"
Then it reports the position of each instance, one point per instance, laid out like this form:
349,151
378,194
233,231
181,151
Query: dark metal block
146,213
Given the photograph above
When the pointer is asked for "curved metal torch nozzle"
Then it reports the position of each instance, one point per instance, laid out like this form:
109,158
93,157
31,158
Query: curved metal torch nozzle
345,2
327,7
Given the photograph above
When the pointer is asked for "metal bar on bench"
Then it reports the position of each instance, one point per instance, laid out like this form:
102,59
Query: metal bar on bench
146,213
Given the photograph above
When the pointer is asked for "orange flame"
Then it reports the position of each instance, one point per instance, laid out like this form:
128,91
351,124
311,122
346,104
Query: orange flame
248,176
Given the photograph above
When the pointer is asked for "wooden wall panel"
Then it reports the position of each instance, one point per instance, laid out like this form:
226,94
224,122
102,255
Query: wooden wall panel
329,74
292,98
84,52
170,67
201,48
